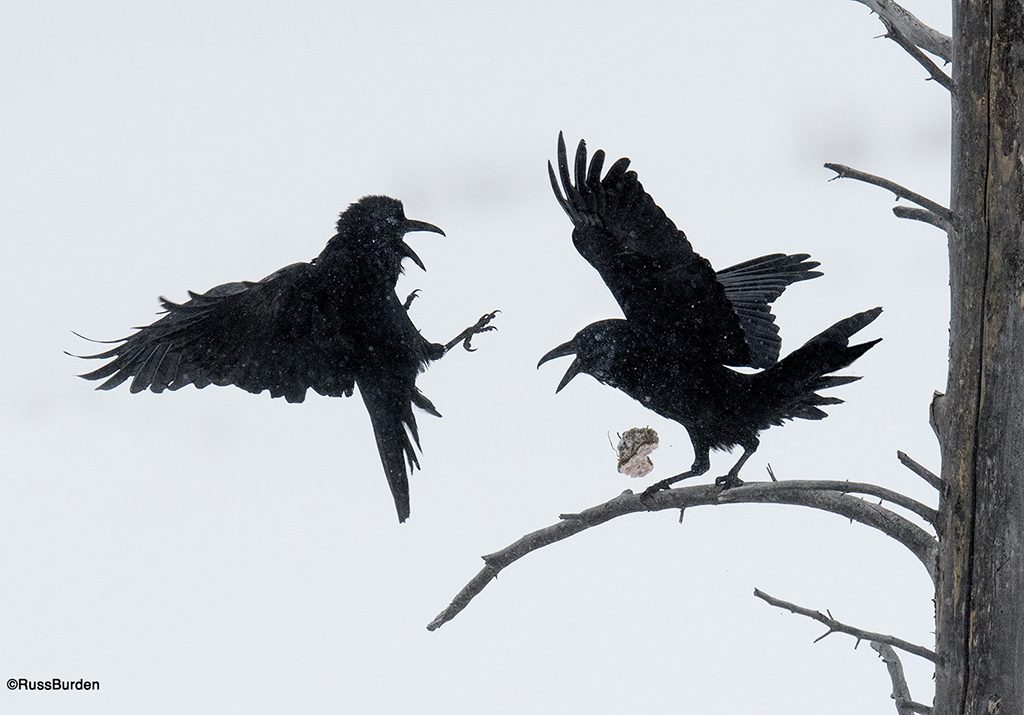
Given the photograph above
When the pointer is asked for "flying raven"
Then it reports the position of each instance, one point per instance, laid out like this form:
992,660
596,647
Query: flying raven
331,324
685,324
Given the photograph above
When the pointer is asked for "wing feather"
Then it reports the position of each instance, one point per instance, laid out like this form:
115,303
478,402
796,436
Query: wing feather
659,282
752,286
264,335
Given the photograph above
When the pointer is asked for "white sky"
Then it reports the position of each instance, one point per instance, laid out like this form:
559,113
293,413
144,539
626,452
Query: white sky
213,551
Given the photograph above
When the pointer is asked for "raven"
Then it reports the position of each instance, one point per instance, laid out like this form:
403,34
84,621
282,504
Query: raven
331,324
685,324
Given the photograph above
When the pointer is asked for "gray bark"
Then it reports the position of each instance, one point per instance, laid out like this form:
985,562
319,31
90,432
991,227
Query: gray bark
980,604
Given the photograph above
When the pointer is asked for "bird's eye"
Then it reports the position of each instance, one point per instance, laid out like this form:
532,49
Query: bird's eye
392,220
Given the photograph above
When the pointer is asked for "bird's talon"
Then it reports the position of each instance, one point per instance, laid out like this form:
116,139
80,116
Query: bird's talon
654,489
412,296
729,481
480,327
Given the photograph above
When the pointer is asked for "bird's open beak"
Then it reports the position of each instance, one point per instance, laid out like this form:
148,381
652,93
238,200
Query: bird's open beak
411,225
572,372
563,350
407,252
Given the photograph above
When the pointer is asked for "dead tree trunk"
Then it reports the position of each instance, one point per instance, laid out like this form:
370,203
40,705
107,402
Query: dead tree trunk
980,421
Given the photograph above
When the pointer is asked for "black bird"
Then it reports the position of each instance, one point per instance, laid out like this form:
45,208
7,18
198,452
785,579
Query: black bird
331,324
685,324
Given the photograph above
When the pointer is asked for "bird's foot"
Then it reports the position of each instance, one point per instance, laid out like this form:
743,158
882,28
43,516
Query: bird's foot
412,296
655,488
481,326
729,481
667,483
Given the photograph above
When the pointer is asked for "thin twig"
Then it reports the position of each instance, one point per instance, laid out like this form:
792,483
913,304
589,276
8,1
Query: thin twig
924,215
921,471
925,512
927,38
846,172
900,690
920,543
835,626
922,59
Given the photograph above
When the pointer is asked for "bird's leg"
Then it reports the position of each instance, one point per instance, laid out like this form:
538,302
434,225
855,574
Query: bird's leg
481,326
701,464
731,479
408,301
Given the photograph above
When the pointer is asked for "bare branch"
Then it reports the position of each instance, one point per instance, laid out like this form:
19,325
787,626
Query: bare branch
835,626
925,512
917,540
921,471
922,59
900,689
845,172
924,215
928,39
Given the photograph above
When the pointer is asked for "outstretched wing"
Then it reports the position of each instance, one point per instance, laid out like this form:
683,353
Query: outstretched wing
273,335
659,281
751,287
389,398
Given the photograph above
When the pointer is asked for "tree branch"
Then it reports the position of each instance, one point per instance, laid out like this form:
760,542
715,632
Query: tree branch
921,471
917,540
845,172
895,16
925,512
915,214
835,626
900,689
922,59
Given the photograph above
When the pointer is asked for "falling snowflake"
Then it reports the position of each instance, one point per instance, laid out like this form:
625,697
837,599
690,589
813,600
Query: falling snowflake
634,446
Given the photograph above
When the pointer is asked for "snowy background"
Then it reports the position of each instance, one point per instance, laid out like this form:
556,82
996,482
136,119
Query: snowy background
214,551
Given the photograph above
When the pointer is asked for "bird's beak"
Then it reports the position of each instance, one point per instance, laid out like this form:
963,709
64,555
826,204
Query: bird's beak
572,372
411,225
563,350
407,252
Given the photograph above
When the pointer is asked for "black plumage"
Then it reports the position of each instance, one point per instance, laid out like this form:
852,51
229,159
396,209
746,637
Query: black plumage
331,324
685,324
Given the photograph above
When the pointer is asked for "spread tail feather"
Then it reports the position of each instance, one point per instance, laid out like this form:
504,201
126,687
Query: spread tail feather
795,380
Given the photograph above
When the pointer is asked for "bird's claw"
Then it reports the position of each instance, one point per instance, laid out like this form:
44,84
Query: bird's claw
655,488
481,326
412,296
729,481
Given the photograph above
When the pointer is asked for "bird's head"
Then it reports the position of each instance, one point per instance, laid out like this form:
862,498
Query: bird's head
595,347
379,222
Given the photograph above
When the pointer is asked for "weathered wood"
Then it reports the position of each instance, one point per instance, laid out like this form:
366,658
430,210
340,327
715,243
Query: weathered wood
896,17
980,605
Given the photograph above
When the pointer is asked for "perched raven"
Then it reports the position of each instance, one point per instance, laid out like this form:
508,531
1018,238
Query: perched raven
331,324
685,323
